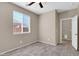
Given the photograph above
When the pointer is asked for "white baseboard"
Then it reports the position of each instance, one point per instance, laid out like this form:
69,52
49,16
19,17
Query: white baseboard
18,47
48,43
27,45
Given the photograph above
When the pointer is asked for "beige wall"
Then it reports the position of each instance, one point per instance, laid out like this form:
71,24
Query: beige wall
7,39
47,28
69,14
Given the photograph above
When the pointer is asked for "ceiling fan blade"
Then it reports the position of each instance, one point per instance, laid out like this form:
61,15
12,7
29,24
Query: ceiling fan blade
31,3
41,5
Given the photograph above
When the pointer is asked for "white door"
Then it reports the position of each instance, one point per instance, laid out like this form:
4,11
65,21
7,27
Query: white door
74,32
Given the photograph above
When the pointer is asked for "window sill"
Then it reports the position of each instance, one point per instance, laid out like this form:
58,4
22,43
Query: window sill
21,33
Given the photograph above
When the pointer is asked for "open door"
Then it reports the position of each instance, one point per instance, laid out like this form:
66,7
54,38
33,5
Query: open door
75,32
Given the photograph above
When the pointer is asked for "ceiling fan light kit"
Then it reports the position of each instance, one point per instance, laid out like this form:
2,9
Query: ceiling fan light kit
40,4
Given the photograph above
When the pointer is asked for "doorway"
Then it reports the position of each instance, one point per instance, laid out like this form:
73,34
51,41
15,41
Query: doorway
66,31
69,32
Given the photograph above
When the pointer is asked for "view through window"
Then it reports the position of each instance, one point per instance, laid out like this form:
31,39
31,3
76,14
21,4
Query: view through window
21,23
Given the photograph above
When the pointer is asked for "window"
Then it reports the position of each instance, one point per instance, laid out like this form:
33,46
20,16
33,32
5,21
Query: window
21,23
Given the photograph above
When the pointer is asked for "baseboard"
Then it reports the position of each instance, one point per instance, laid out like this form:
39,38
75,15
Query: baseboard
48,43
27,45
18,47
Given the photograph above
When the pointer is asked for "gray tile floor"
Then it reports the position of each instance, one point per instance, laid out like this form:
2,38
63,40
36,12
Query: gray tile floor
41,49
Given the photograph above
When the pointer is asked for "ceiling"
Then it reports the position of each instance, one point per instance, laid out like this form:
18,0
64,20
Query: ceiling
48,6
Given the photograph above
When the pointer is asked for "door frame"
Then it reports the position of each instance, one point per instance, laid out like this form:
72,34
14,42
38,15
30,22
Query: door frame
61,20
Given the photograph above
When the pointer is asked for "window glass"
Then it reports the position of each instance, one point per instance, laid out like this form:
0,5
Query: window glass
21,22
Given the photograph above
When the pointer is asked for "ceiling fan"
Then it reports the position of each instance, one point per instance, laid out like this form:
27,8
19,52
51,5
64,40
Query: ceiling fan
40,4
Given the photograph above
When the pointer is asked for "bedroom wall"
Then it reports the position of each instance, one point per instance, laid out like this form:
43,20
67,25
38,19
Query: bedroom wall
9,41
48,30
69,14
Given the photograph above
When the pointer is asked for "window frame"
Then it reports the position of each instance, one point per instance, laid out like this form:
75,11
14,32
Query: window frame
29,27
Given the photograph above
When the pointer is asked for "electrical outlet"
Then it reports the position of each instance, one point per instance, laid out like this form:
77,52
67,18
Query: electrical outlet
21,42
